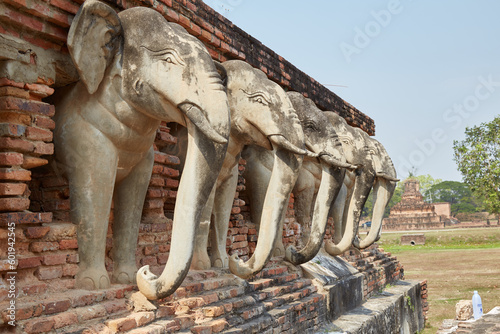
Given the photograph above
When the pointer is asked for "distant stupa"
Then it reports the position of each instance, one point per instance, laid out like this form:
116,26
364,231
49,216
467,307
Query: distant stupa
412,213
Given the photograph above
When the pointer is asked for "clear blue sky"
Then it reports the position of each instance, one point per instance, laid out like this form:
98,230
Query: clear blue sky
423,70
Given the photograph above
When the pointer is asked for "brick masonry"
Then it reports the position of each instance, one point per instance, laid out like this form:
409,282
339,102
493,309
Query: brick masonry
34,194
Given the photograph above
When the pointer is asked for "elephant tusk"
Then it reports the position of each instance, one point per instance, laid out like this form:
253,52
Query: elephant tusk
281,141
330,160
196,115
387,177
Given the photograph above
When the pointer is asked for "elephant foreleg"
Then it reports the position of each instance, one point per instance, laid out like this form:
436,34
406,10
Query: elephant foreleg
201,260
91,192
303,192
129,201
222,213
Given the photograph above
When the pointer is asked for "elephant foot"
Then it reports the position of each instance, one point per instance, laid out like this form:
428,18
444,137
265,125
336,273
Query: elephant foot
200,261
124,274
92,279
220,261
279,249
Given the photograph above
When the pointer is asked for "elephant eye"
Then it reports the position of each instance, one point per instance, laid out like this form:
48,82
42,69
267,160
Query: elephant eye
168,55
258,97
311,126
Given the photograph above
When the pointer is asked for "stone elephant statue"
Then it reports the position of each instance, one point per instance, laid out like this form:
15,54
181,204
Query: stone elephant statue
262,115
321,140
136,69
375,170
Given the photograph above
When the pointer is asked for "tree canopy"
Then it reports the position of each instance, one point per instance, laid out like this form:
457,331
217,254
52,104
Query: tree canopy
458,194
478,160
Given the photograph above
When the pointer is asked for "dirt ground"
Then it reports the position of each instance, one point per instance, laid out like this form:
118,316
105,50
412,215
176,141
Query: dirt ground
453,275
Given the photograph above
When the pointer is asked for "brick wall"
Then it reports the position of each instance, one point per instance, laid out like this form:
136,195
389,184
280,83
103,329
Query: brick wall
34,193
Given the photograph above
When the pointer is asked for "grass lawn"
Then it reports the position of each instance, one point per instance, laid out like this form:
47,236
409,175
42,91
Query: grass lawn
455,263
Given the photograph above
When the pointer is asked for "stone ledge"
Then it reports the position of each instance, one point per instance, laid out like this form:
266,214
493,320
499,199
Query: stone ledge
396,310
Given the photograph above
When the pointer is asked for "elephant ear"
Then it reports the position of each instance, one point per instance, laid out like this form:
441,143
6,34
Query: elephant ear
222,72
93,39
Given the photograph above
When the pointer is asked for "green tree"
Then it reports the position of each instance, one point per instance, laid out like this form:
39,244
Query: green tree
478,160
458,194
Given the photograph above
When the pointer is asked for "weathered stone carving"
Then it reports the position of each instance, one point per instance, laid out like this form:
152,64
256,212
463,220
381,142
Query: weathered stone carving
319,180
261,115
135,70
375,170
320,139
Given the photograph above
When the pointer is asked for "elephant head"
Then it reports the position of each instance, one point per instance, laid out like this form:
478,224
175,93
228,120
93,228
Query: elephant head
263,119
261,115
383,189
347,208
328,168
360,150
136,69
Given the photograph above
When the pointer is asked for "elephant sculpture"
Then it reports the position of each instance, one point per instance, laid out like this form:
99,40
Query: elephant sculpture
320,138
375,170
136,69
261,114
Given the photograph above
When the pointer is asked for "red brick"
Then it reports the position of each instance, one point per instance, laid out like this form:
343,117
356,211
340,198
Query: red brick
8,82
32,162
10,159
64,319
171,183
44,148
90,312
42,246
11,130
206,36
16,144
42,90
172,15
65,5
25,217
57,306
14,91
115,306
157,181
15,174
38,134
14,204
53,259
46,273
121,325
70,269
14,103
142,318
36,232
44,122
12,189
15,117
35,289
194,30
41,325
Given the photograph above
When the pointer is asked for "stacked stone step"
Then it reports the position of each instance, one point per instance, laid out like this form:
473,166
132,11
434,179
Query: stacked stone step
378,267
70,309
216,301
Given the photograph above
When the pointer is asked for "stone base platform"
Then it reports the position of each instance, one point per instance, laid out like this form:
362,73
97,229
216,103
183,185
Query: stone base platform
281,299
396,310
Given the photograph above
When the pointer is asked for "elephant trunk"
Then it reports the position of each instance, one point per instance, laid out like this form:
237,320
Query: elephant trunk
362,187
281,141
331,182
382,193
203,161
329,159
283,177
